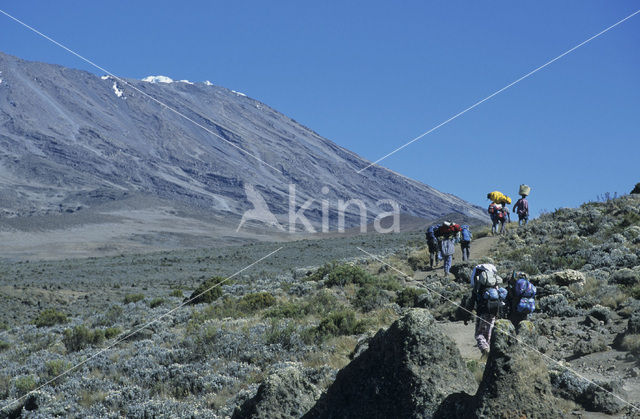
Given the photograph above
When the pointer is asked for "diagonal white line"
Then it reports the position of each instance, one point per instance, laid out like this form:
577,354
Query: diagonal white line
138,90
498,91
502,331
120,339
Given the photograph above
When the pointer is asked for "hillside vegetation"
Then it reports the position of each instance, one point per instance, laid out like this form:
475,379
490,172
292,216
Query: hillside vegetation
211,357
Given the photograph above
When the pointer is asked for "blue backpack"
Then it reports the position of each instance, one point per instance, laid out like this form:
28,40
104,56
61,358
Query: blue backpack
525,291
466,233
492,298
431,232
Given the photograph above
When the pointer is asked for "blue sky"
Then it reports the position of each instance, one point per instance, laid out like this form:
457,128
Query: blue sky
371,75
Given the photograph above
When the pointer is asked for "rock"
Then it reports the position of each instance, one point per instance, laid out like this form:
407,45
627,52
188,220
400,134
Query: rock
633,325
568,277
626,276
287,393
594,396
600,313
515,382
592,345
462,272
406,371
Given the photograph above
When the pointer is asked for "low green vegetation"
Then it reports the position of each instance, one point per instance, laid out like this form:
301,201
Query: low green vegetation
50,317
209,291
408,297
338,323
156,302
80,337
25,384
133,298
56,367
631,343
4,345
112,332
176,293
236,307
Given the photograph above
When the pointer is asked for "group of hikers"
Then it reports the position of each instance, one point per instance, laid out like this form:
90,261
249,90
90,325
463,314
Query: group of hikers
488,296
499,211
442,238
491,301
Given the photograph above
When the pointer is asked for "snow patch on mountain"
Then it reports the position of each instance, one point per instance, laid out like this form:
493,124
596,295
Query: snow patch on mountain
239,93
185,81
158,79
208,83
117,91
105,77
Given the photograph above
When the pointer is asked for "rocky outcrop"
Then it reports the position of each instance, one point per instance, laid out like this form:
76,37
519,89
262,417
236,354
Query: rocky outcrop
515,381
287,393
406,371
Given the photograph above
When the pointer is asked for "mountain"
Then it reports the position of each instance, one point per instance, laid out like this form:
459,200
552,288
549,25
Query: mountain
155,161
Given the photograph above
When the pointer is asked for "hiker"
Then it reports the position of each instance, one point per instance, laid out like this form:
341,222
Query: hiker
447,234
465,241
434,248
494,210
488,298
503,216
520,301
522,209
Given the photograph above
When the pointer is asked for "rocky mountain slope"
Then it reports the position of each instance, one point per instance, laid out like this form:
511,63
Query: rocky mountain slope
73,141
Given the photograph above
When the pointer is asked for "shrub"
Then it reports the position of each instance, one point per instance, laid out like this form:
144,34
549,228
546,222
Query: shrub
80,337
176,293
369,297
156,302
320,273
3,325
339,323
133,298
4,345
50,317
280,335
88,398
25,384
288,310
236,307
348,274
408,297
631,343
56,367
256,301
208,291
112,332
110,317
322,303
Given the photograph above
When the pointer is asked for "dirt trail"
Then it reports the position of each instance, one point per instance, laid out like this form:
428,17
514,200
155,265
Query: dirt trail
462,335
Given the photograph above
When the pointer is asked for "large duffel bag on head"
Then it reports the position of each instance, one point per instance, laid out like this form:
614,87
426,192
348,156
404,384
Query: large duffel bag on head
525,190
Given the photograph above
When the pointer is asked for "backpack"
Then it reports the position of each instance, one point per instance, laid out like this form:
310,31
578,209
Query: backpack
492,299
431,232
525,291
466,233
486,278
448,247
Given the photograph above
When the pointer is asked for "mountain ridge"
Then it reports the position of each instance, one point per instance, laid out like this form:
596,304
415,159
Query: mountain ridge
71,141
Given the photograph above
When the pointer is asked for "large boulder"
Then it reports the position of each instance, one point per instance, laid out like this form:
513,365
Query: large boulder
406,371
515,382
287,393
568,277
